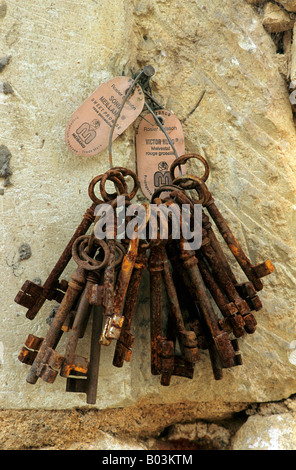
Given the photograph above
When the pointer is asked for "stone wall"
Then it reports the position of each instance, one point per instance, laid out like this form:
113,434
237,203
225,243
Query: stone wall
53,56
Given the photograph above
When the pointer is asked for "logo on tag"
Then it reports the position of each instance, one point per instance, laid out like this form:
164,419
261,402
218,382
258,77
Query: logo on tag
88,130
154,151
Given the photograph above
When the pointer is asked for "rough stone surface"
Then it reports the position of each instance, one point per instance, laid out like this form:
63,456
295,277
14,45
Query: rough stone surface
289,5
275,19
62,429
276,432
4,62
217,437
293,65
60,52
256,2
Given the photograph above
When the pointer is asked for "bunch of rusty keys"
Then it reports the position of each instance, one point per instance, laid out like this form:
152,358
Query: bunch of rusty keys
84,291
107,280
207,271
164,359
223,351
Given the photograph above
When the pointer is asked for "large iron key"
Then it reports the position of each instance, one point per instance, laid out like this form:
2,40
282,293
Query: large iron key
253,272
223,280
113,325
219,337
187,339
162,350
124,345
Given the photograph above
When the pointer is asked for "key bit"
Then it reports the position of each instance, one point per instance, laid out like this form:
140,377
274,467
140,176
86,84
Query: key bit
29,352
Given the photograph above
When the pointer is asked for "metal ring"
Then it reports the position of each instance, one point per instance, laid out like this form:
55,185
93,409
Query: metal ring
82,258
118,181
117,178
192,182
165,188
125,172
183,159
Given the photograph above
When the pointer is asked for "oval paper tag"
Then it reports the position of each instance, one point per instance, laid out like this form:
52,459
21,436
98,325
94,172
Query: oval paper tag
154,152
89,128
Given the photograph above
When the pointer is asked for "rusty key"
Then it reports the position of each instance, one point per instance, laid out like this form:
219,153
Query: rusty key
114,317
187,339
42,365
48,361
72,362
181,366
108,291
253,272
82,374
124,345
162,350
198,325
88,383
228,309
246,290
219,337
244,316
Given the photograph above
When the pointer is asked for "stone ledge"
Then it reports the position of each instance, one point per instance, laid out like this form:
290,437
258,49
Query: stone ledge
79,428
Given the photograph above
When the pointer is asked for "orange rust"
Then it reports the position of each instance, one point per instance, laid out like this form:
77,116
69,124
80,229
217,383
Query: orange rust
27,356
79,365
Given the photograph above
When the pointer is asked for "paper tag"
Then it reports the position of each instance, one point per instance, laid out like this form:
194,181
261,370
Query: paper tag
88,130
154,152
